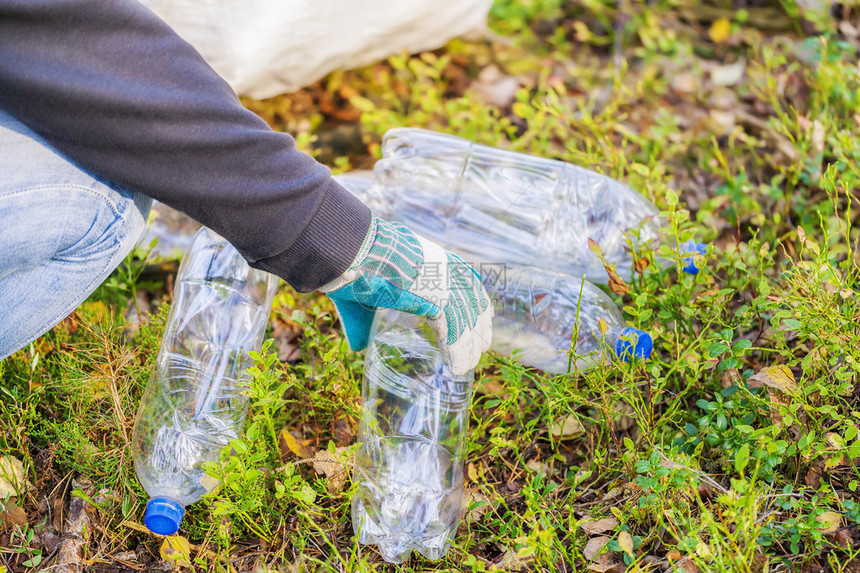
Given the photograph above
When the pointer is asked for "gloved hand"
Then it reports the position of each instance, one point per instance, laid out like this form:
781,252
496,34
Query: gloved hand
395,268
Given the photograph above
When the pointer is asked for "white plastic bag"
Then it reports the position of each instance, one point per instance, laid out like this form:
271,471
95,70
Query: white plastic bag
267,47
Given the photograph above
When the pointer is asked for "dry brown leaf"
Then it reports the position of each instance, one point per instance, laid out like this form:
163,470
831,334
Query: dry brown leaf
813,478
616,283
641,264
570,428
830,520
594,527
593,547
539,467
686,565
778,377
335,471
490,387
12,515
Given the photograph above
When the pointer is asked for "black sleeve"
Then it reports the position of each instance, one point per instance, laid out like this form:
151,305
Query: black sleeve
113,88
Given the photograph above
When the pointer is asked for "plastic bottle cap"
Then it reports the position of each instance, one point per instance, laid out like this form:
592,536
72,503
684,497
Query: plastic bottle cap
633,343
163,515
689,247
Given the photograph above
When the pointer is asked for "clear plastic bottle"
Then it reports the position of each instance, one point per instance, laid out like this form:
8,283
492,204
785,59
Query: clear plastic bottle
409,469
538,311
494,205
194,404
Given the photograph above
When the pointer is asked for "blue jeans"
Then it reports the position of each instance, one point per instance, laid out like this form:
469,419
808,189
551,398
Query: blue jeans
62,231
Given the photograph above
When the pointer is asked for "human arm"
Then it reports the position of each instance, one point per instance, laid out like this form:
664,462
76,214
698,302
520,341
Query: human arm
113,88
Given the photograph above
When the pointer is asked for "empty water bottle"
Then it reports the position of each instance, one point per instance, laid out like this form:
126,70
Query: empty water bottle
546,315
538,311
501,206
194,404
409,468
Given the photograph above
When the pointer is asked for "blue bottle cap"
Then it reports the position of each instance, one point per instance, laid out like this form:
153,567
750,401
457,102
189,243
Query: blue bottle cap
633,343
690,262
163,515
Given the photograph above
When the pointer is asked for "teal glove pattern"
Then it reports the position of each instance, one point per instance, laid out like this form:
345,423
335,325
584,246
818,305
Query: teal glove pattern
397,269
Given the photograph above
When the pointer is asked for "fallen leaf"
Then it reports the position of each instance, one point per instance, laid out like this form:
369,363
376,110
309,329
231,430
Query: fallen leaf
176,550
625,541
13,514
335,471
302,450
481,505
12,477
720,30
842,538
778,377
570,428
625,416
594,527
830,521
686,565
593,547
813,478
673,555
539,467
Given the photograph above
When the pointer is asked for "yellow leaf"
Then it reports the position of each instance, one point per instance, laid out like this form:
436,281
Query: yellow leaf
136,526
176,550
720,30
625,542
778,377
294,446
830,520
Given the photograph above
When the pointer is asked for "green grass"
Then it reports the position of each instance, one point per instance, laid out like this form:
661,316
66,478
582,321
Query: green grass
735,446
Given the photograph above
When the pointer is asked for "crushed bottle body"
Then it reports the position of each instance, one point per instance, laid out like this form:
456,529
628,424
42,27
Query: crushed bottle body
195,402
414,418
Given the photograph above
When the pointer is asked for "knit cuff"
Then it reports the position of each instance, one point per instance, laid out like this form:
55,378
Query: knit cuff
327,245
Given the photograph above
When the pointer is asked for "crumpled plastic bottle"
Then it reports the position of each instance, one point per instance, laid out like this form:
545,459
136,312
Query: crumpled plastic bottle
546,315
538,311
194,404
494,205
414,418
